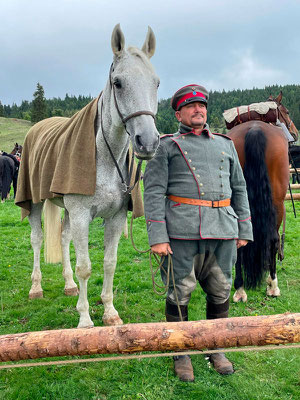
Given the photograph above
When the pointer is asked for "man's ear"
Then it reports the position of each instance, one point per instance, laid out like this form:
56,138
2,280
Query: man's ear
178,116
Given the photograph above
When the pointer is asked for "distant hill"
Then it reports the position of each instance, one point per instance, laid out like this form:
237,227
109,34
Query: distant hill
12,130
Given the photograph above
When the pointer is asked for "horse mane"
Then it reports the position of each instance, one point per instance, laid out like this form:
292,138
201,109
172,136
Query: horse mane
257,254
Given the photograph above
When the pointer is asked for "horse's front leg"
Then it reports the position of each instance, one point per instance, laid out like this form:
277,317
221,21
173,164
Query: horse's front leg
79,222
240,294
113,231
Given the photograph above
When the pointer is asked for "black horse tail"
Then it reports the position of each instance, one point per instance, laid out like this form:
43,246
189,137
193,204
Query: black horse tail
256,257
6,178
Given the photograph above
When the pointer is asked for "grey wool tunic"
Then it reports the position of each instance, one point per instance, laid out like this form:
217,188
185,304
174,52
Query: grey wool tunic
204,166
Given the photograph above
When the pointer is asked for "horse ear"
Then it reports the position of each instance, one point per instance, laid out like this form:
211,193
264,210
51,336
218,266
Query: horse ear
117,40
150,42
270,98
279,98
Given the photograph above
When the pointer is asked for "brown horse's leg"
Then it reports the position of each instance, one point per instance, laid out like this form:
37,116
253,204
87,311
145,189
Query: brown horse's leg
272,288
240,294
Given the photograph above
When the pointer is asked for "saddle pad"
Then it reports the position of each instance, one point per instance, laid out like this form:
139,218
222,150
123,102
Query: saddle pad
264,111
59,157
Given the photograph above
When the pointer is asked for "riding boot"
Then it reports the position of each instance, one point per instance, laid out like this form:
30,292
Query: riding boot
182,364
219,361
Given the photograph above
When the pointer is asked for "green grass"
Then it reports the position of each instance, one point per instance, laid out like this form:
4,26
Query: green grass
12,130
259,375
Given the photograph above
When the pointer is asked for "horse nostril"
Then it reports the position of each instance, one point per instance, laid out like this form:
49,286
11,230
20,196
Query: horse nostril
138,142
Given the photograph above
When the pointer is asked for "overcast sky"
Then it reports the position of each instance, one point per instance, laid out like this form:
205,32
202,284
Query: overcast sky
65,44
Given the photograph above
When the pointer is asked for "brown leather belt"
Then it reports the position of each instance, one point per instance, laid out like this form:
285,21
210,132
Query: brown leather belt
199,202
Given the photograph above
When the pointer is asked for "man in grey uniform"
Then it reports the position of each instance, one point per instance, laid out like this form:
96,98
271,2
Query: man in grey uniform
197,210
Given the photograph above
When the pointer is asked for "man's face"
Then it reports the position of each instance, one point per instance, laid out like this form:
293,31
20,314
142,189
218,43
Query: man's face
193,115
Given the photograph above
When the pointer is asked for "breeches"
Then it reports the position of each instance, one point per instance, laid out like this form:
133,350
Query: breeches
207,261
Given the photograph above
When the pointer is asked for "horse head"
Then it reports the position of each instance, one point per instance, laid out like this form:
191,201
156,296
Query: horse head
133,84
284,116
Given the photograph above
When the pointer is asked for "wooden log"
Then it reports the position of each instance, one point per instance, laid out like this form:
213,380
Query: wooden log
164,336
296,196
295,186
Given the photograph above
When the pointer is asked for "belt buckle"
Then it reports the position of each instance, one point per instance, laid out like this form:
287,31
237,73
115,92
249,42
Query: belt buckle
215,203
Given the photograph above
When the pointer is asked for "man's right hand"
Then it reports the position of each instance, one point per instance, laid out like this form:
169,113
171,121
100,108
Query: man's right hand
161,249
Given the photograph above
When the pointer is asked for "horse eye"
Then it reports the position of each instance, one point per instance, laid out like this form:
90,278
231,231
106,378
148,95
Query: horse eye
117,83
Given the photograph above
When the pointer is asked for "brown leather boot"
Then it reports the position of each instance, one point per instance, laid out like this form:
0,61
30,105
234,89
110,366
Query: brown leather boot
183,368
221,364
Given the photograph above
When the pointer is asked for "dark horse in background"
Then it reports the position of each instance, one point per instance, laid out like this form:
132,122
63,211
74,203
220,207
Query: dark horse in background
294,156
263,153
9,170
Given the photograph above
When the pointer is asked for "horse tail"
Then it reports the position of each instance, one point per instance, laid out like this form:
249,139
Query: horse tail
257,255
6,179
52,233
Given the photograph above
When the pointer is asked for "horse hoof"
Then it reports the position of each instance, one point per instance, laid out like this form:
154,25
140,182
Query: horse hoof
273,292
72,291
111,321
240,296
36,295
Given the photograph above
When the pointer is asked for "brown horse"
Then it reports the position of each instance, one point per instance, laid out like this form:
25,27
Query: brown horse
263,153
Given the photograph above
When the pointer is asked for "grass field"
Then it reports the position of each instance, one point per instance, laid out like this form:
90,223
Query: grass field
269,374
12,130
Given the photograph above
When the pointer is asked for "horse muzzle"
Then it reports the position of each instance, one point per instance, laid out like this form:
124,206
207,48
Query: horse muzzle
145,149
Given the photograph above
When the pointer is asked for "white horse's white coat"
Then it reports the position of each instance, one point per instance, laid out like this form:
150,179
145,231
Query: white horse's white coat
135,84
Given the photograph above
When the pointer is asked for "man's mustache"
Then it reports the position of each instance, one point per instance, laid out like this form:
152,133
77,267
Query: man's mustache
197,114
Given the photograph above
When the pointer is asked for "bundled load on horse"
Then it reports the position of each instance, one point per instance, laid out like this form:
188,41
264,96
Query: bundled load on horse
264,111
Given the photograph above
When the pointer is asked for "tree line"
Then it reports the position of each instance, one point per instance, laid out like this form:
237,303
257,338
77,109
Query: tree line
40,107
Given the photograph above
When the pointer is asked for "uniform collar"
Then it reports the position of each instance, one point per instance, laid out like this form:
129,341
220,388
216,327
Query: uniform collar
185,130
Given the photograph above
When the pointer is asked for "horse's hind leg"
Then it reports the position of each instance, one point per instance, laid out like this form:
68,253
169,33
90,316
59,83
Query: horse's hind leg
36,243
240,294
70,286
272,288
113,231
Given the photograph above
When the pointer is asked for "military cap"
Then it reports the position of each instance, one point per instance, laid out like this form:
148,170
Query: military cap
189,94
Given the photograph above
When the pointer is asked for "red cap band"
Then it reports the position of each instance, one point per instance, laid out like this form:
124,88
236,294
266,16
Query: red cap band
188,96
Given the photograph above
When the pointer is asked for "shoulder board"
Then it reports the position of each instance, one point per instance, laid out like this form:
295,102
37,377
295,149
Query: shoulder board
167,135
222,134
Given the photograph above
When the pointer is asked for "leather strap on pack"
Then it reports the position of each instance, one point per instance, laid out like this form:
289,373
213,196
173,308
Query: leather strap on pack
200,202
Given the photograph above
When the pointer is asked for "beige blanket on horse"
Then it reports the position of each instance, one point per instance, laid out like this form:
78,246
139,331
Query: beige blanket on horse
59,157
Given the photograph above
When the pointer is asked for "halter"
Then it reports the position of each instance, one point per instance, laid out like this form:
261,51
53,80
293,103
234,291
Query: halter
127,186
288,124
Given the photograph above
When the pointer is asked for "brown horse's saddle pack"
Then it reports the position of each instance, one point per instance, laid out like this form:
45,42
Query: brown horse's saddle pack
263,111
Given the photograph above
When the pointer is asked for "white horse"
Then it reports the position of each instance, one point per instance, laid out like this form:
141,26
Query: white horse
126,112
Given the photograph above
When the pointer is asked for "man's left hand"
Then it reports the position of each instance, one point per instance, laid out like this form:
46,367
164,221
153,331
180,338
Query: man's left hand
241,243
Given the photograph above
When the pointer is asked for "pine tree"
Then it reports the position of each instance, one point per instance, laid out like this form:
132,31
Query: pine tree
1,110
39,108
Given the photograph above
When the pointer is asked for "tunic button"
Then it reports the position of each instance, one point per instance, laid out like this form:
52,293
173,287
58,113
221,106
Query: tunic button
201,184
182,137
222,185
222,160
223,152
202,194
194,168
222,195
220,176
149,223
190,160
221,167
198,176
185,152
213,137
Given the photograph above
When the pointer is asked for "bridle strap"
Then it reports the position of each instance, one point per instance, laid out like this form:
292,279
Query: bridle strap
128,188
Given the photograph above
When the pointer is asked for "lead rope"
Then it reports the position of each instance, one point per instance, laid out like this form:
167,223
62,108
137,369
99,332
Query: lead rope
170,270
155,355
